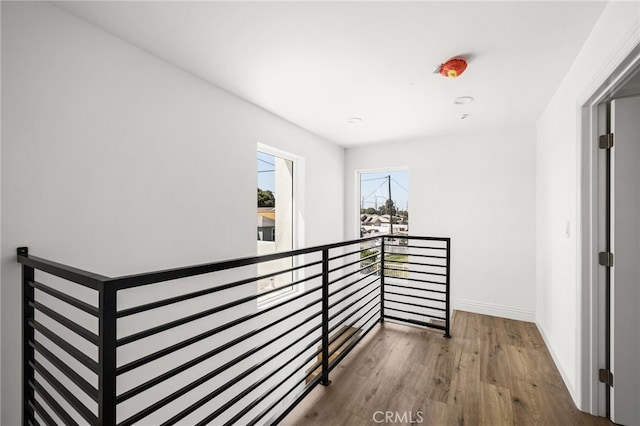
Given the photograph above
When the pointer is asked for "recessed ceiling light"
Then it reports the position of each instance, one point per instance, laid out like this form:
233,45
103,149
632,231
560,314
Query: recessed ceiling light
464,116
355,120
463,100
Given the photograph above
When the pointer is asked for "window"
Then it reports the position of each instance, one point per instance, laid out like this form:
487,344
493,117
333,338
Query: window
384,210
275,219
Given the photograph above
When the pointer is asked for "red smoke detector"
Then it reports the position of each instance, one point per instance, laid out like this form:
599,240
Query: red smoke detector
453,68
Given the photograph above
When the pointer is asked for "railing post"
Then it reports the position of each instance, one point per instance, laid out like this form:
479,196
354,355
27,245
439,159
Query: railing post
28,313
107,355
447,323
382,281
325,318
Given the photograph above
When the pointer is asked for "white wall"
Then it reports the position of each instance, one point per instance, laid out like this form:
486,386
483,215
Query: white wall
118,162
0,216
559,310
478,189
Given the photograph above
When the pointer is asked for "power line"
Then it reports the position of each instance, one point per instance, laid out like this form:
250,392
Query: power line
265,161
265,171
399,184
367,180
374,191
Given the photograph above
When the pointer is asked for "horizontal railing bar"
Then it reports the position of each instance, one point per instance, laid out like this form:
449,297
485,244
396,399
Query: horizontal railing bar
76,303
184,320
64,321
415,296
185,389
245,374
347,254
232,343
353,263
414,313
412,321
416,305
146,278
150,383
39,409
353,309
364,277
79,356
177,346
414,288
78,276
71,374
427,256
353,273
413,271
204,292
343,298
289,408
351,345
307,389
333,338
65,393
265,394
418,280
341,311
346,286
337,336
94,281
406,262
420,238
425,247
53,404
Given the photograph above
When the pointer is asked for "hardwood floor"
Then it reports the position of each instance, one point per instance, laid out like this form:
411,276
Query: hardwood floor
493,371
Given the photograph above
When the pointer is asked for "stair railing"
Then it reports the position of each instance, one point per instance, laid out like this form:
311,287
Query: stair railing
216,342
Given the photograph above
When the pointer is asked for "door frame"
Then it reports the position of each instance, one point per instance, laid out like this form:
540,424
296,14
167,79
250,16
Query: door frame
591,239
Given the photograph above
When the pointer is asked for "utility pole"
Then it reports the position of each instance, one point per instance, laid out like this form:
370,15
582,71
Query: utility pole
390,209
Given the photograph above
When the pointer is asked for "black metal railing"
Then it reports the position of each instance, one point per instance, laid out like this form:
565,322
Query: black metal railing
202,344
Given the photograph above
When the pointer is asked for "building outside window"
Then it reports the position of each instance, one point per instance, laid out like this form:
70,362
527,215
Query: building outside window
384,211
274,218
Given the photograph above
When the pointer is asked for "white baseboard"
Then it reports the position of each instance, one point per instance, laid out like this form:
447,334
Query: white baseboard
493,310
564,376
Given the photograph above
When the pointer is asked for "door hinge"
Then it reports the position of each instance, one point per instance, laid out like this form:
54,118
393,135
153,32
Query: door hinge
605,258
606,141
605,376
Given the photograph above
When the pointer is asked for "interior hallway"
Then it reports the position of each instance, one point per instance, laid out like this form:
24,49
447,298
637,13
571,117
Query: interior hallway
493,371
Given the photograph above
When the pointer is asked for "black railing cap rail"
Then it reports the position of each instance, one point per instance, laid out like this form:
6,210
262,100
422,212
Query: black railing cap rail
92,280
79,276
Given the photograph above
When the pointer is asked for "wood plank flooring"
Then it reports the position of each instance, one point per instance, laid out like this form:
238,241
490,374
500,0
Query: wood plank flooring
493,371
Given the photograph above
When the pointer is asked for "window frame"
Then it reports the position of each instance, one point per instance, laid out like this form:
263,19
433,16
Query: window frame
296,231
358,178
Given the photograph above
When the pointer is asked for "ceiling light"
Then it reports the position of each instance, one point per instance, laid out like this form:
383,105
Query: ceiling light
355,120
463,100
464,116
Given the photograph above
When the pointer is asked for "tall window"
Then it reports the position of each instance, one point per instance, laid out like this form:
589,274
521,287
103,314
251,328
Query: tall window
275,217
384,210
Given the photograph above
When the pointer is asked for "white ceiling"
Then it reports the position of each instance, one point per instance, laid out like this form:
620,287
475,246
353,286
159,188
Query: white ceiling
317,64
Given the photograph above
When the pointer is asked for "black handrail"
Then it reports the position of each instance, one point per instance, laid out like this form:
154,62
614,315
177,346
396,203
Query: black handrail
337,299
